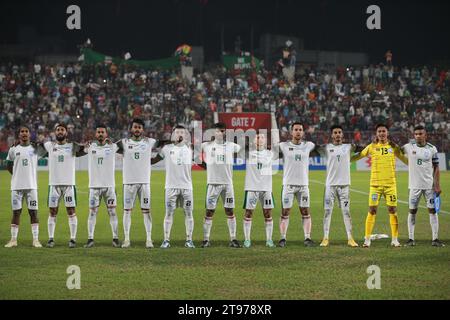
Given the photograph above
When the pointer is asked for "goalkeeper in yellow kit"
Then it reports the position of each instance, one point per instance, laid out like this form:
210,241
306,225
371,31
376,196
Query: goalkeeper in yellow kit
382,180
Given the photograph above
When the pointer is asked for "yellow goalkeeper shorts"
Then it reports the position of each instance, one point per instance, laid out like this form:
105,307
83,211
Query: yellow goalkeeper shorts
389,193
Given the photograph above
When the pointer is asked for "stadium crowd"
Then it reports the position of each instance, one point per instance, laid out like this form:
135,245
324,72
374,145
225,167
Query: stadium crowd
356,98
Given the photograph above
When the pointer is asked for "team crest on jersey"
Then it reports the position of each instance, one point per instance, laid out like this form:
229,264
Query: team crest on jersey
130,147
331,150
55,150
17,154
390,150
426,154
374,197
414,153
291,149
94,152
377,149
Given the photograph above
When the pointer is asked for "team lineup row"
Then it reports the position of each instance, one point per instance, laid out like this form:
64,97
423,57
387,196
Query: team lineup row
420,156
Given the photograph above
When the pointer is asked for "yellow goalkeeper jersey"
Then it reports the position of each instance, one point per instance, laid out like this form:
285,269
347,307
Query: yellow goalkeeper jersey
383,163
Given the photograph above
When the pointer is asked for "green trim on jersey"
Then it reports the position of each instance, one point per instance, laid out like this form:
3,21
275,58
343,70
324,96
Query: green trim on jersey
206,196
48,197
75,194
245,201
282,201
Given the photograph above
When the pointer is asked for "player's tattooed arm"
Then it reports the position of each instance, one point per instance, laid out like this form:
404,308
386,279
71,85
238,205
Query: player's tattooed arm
399,152
156,159
40,149
356,148
317,151
9,166
79,149
358,156
119,147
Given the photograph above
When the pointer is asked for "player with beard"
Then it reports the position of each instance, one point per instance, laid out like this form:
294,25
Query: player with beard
219,158
61,162
178,187
137,154
102,163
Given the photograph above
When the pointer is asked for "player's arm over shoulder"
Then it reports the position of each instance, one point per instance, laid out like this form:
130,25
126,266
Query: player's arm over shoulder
399,152
364,153
78,149
160,156
10,160
317,150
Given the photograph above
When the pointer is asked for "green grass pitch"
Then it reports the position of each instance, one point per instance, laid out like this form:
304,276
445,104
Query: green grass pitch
219,272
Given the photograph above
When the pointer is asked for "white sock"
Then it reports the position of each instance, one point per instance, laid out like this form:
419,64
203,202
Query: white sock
307,226
148,225
434,221
327,222
168,221
92,219
411,225
126,224
284,224
231,221
114,222
35,231
348,223
51,226
207,224
14,232
247,228
269,229
189,223
73,224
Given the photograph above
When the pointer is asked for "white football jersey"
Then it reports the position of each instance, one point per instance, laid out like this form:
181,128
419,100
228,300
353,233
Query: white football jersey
258,174
137,157
61,163
219,159
296,162
420,163
102,164
178,162
25,167
338,164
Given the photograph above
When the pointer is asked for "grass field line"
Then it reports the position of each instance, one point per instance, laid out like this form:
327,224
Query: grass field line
366,193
